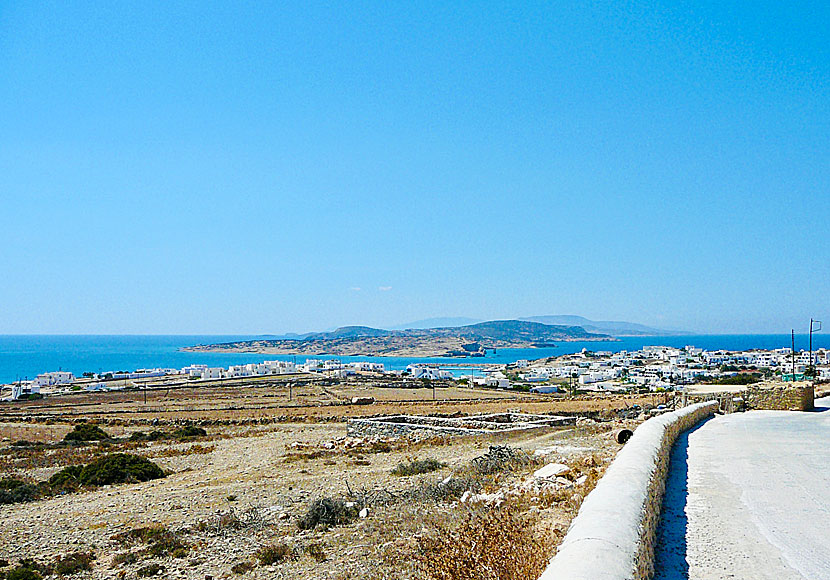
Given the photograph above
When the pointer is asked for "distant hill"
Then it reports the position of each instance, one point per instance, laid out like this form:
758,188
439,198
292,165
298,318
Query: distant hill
471,339
347,332
446,322
520,330
614,328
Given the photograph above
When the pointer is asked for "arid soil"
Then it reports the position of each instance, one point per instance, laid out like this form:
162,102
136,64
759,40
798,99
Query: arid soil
246,486
271,402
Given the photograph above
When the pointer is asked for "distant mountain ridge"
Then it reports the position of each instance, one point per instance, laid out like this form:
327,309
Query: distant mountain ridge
444,322
614,328
442,341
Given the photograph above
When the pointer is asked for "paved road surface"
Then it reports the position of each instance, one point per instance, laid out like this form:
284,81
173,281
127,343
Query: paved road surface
748,496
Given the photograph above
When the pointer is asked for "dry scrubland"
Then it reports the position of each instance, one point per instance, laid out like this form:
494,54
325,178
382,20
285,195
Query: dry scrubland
274,489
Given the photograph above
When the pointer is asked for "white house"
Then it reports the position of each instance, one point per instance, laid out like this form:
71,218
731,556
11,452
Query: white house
54,378
24,389
367,367
213,373
431,373
497,382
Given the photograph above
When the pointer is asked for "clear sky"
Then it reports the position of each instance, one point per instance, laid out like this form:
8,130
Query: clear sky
175,167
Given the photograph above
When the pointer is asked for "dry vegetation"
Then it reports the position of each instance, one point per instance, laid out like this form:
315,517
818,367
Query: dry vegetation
292,498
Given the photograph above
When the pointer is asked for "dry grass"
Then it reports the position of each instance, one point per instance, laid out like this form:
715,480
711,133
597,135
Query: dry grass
196,449
274,554
484,544
417,467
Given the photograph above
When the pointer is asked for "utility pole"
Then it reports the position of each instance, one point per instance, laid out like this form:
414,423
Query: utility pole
792,334
812,362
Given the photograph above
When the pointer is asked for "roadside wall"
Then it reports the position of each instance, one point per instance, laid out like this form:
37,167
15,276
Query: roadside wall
793,397
766,396
612,536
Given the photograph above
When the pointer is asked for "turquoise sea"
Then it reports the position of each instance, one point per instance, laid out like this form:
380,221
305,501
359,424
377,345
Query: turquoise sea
25,356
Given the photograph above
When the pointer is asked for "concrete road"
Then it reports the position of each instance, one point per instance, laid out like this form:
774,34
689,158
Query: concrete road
748,496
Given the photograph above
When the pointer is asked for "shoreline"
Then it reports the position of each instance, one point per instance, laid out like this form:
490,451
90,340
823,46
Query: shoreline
438,351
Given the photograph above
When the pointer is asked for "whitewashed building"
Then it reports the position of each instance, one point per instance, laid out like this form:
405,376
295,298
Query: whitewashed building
54,378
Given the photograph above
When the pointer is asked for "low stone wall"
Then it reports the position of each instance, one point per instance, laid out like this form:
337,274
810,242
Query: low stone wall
768,396
789,397
416,426
612,536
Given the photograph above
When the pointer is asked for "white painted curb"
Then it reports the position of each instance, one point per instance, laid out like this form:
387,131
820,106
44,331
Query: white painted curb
612,536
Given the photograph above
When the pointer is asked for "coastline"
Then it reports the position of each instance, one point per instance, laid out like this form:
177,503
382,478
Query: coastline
435,349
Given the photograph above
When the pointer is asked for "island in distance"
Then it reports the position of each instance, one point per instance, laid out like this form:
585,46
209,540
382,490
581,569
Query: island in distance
468,340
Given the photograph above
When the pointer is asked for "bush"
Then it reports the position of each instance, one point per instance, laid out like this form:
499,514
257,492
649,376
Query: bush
115,468
327,512
156,435
486,544
242,568
124,558
150,570
74,562
417,467
315,550
22,573
16,491
86,432
189,432
500,458
441,492
273,554
160,540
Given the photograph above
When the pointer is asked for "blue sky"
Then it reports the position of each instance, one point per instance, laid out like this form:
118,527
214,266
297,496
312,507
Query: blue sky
252,168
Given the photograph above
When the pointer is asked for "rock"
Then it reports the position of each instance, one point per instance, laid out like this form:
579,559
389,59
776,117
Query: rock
364,512
362,400
466,496
551,470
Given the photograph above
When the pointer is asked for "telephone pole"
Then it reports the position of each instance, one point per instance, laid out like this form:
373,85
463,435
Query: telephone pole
792,356
812,362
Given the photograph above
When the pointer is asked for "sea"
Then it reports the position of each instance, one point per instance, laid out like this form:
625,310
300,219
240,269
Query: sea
26,356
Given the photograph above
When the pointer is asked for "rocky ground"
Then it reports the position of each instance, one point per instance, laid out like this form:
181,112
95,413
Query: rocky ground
242,489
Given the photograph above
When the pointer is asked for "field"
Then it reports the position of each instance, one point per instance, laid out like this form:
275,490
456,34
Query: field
243,499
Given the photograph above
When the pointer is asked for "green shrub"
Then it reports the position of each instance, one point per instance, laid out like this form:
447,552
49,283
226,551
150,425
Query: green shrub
273,554
73,563
156,435
316,550
150,570
16,491
115,468
189,432
417,466
138,436
86,432
22,573
327,512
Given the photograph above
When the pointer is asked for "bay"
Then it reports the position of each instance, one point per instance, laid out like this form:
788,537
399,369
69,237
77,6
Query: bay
25,356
